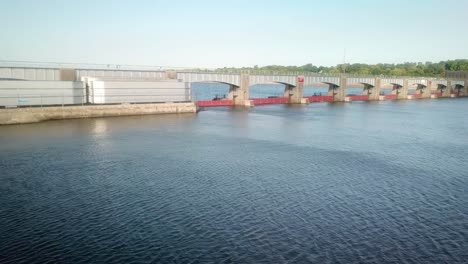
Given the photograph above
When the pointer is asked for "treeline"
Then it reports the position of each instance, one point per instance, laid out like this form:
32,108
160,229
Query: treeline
429,69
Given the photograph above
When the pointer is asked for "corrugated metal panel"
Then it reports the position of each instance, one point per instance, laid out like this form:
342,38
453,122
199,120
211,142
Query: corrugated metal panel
5,73
30,93
40,74
110,92
17,73
31,74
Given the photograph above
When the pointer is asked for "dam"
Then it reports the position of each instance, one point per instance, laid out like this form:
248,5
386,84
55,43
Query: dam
41,87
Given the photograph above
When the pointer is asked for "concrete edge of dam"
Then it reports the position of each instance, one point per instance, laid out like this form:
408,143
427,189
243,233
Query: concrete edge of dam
38,114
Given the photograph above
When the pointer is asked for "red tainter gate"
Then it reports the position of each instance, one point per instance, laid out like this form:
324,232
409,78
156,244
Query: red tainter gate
275,100
215,103
316,98
390,97
257,101
360,97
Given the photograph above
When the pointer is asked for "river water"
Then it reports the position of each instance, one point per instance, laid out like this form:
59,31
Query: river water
371,182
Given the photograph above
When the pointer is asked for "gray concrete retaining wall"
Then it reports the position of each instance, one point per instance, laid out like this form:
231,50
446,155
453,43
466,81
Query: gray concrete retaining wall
37,114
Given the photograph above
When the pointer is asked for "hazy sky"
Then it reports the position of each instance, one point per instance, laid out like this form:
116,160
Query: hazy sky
218,33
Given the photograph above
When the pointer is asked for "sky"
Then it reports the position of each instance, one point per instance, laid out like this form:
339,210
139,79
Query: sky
210,34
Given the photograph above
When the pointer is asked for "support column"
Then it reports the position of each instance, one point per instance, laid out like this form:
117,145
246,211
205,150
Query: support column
68,75
448,89
338,91
295,93
170,75
375,91
465,90
403,91
426,91
240,94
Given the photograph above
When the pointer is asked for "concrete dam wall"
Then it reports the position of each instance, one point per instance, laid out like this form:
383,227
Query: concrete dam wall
38,114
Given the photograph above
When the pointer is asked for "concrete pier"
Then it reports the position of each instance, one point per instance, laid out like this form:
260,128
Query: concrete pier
426,89
401,91
465,93
374,92
38,114
338,91
240,94
448,89
295,93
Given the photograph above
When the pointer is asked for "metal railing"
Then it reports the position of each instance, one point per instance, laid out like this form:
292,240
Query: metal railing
301,73
95,66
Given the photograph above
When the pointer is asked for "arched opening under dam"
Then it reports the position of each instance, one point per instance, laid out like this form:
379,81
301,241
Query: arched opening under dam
355,89
209,93
414,89
210,90
267,90
318,92
269,93
386,89
439,89
359,91
457,89
315,89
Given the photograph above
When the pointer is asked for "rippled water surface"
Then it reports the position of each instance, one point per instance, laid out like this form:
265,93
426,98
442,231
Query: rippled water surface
383,182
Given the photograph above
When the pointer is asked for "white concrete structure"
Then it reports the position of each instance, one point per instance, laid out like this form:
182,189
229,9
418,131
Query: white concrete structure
37,93
108,91
32,74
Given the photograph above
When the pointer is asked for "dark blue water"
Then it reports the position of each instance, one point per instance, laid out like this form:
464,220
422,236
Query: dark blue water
380,182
